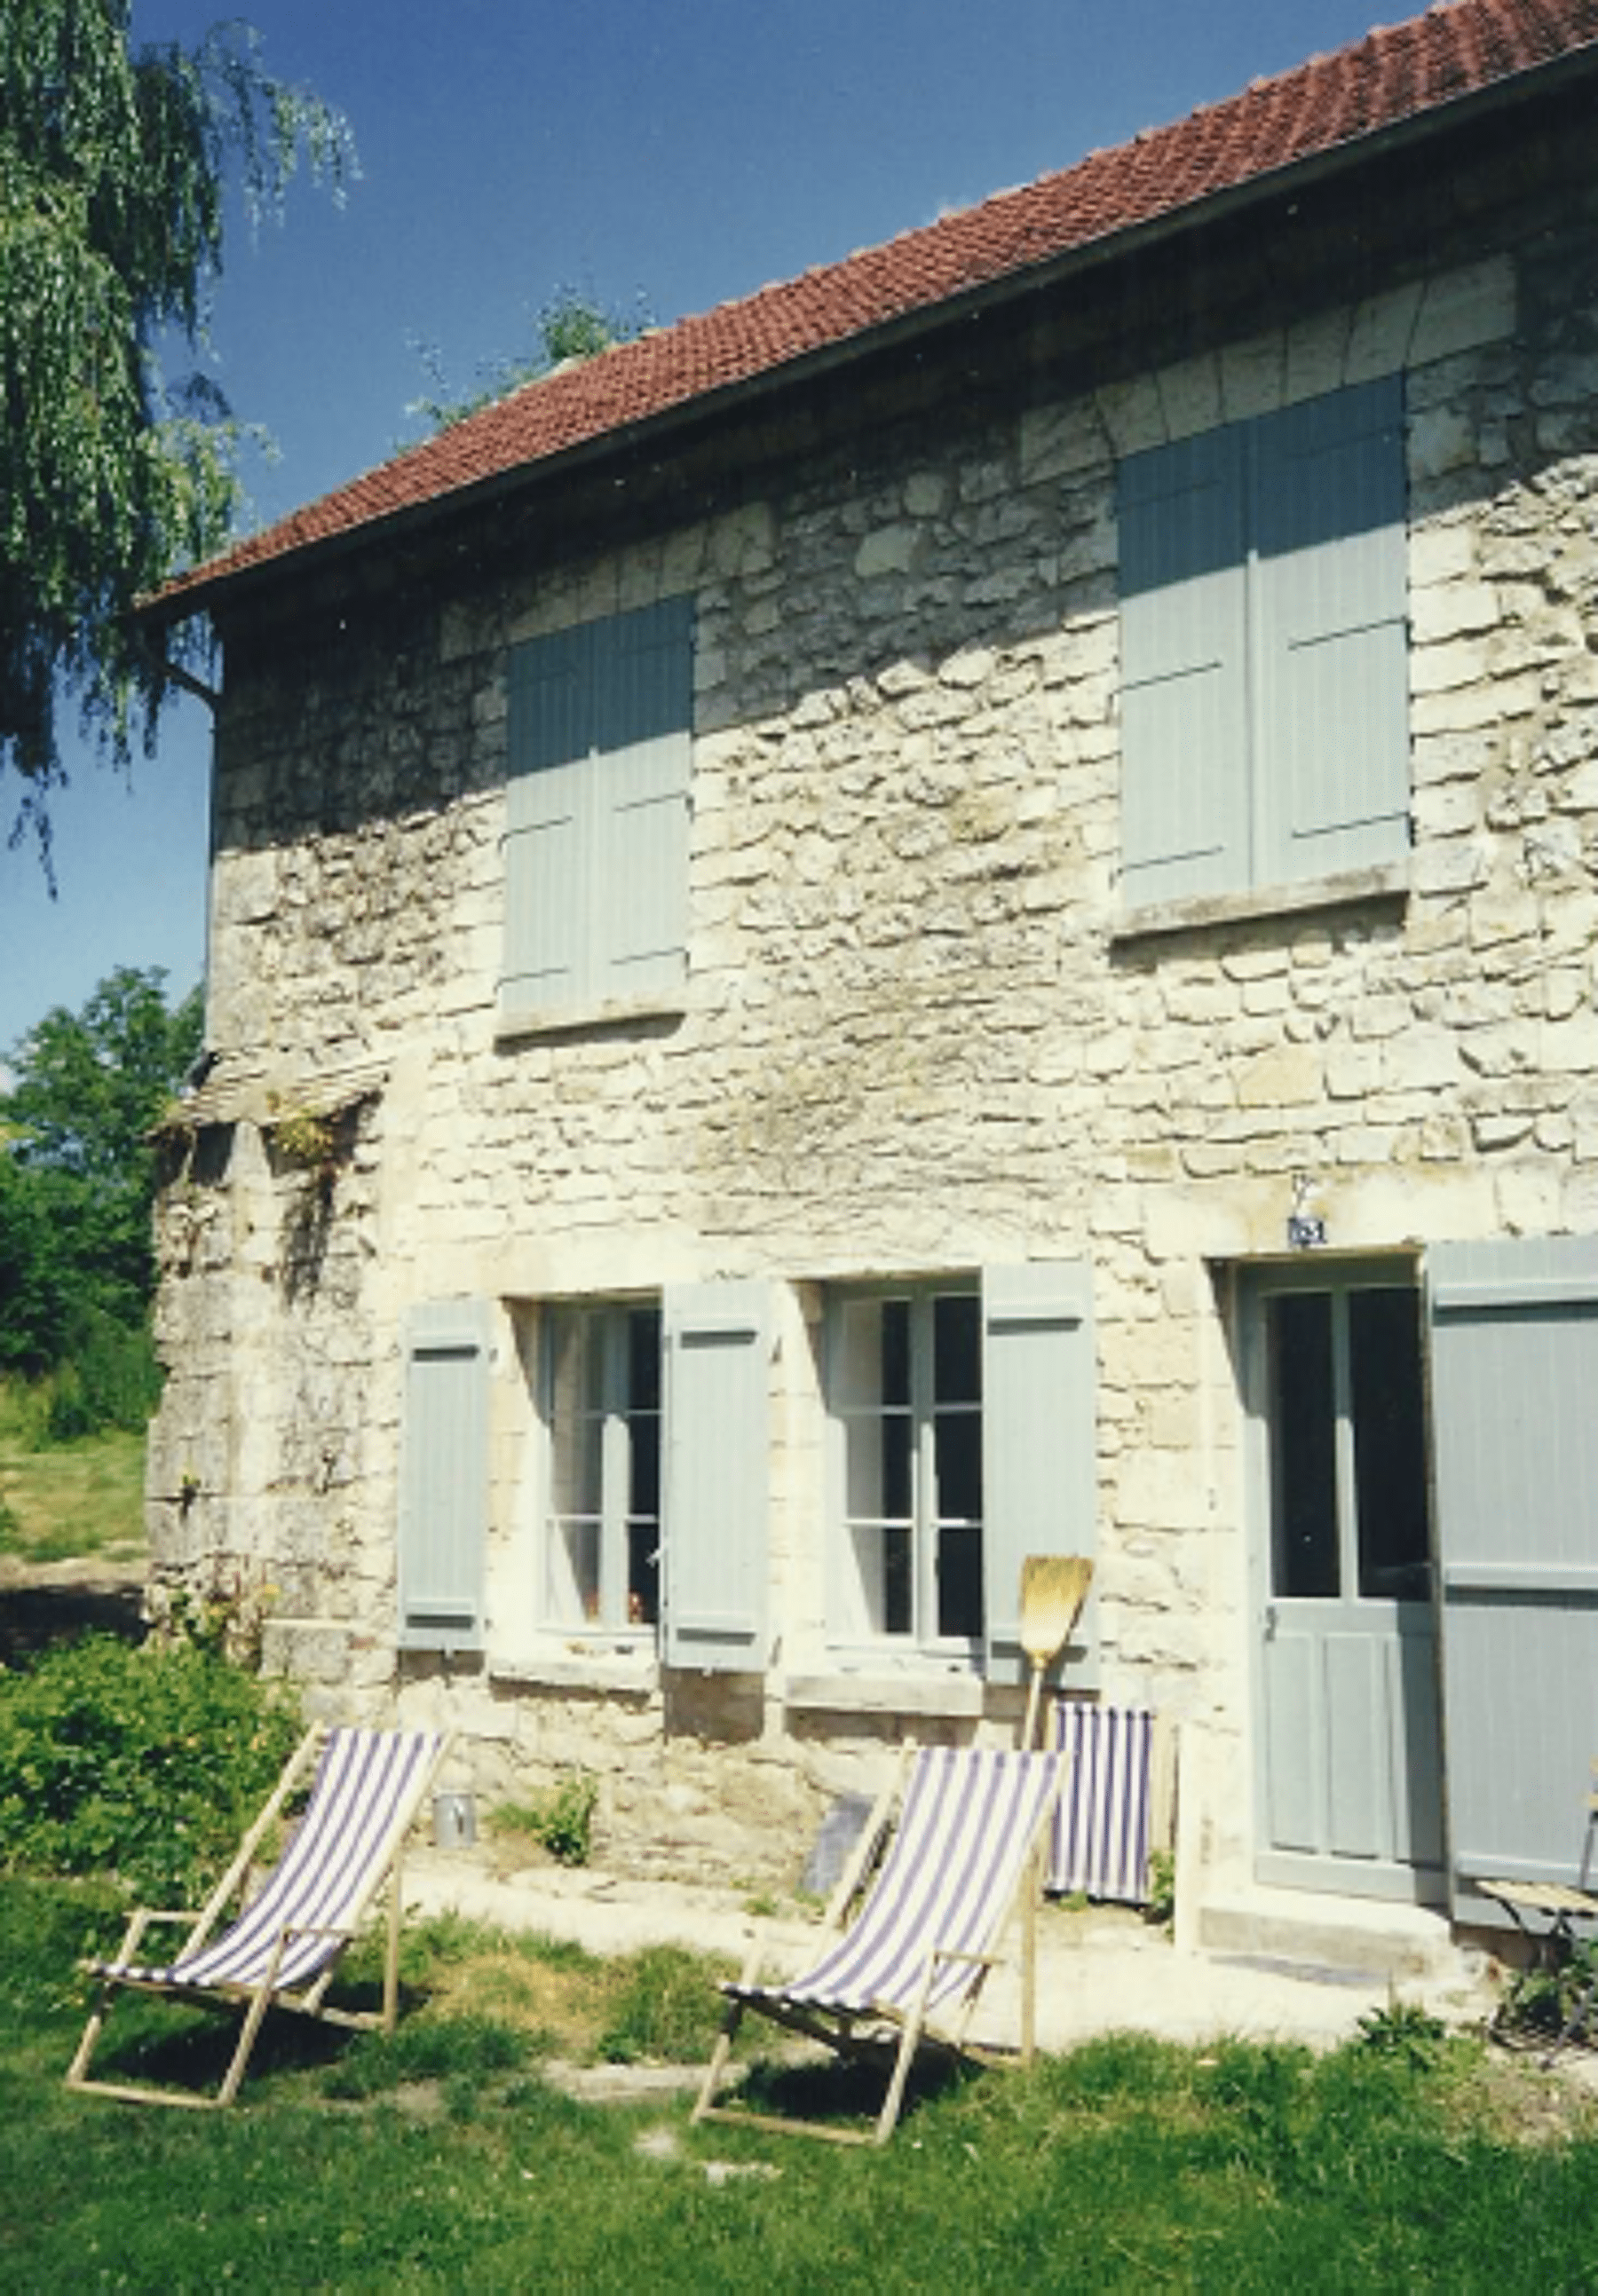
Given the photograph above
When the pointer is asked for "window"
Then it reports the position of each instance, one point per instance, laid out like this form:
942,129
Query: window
1347,1443
1264,669
596,855
906,1394
602,1403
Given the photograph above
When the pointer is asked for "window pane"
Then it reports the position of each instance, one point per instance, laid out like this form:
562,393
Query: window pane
1390,1444
960,1582
957,1446
574,1573
882,1589
877,1468
643,1574
576,1427
957,1349
644,1497
643,1358
1303,1500
895,1343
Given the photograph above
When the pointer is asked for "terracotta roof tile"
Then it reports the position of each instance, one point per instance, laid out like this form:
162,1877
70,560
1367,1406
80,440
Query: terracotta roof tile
1395,73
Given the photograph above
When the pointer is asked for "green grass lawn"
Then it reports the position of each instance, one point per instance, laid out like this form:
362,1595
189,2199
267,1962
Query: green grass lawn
445,2159
68,1499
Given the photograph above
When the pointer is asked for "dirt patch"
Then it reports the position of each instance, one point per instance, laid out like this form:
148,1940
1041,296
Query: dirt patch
43,1603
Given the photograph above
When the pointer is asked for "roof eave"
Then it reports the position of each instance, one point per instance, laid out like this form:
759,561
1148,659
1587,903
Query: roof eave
166,609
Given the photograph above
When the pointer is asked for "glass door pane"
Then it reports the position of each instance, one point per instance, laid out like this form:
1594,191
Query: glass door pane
1302,1412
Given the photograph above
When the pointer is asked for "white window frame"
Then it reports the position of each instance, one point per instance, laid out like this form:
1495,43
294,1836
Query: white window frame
857,1620
613,1594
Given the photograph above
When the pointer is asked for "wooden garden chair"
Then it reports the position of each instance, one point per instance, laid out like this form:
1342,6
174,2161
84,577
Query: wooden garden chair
908,1973
283,1947
1555,1917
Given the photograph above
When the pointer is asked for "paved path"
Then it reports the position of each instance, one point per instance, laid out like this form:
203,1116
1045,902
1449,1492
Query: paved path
1098,1973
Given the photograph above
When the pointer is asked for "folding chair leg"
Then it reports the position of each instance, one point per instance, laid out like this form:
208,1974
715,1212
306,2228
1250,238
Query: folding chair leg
705,2105
391,1965
253,2016
909,2042
78,2070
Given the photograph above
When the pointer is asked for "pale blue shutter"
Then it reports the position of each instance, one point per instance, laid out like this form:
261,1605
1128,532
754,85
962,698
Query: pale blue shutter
645,669
1329,613
715,1503
1039,1443
444,1475
551,736
1514,1335
1185,746
596,823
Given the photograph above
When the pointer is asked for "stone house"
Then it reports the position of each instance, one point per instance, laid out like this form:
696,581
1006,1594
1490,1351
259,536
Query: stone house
947,913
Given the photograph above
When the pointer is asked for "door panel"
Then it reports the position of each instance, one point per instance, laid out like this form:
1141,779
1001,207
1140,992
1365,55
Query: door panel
1349,1749
1514,1337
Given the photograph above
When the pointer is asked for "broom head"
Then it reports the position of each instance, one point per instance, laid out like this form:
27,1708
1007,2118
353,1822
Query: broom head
1053,1590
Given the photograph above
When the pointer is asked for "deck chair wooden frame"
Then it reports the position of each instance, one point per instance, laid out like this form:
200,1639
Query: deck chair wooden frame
968,1847
1552,1916
283,1945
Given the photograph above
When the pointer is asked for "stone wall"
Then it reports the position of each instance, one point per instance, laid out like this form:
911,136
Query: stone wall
919,1034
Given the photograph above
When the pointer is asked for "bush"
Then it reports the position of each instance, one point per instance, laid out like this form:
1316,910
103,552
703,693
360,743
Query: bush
563,1820
145,1763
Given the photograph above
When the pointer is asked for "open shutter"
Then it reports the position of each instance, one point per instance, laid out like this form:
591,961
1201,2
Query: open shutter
1329,568
1040,1444
444,1475
1514,1329
1184,749
716,1504
645,692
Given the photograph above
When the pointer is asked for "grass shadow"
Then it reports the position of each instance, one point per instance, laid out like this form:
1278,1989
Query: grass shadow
845,2094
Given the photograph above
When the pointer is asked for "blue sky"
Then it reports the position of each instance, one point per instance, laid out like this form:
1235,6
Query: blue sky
679,153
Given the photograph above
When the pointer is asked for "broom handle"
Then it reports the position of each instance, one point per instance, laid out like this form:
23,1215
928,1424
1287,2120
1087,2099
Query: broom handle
1032,1705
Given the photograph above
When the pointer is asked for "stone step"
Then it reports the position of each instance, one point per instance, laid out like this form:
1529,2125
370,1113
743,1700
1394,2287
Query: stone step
1334,1938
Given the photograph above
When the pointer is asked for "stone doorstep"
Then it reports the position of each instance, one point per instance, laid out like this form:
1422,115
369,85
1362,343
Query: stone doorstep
1332,1940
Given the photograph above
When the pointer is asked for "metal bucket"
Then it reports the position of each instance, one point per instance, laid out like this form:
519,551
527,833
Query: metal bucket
454,1820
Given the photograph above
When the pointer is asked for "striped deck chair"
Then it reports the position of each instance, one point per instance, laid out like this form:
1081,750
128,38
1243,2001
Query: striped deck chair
965,1848
283,1947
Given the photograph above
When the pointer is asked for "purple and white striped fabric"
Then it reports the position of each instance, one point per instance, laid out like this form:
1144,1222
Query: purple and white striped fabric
366,1792
1100,1847
948,1880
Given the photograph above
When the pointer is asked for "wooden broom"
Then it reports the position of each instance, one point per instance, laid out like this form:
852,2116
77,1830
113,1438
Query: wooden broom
1053,1590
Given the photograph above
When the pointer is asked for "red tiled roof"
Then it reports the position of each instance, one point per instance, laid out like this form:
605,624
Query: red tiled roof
1457,48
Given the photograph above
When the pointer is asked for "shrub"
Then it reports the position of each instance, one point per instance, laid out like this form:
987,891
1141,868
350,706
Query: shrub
562,1820
144,1763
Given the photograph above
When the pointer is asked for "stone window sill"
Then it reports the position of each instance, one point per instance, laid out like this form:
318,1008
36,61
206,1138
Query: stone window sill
607,1667
952,1693
524,1023
1389,881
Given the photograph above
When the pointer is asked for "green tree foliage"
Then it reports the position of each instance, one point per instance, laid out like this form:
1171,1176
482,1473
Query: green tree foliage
570,326
113,165
77,1170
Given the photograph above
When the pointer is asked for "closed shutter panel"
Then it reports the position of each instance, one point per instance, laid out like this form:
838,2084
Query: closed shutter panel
1514,1329
596,827
644,678
1330,608
1039,1444
551,735
715,1506
1184,762
444,1475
